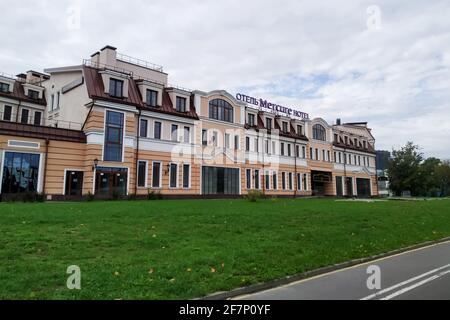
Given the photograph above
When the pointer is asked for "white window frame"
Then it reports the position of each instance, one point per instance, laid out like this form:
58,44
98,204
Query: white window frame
177,175
160,175
146,174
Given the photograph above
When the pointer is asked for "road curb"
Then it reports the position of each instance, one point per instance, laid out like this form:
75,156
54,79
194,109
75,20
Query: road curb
302,276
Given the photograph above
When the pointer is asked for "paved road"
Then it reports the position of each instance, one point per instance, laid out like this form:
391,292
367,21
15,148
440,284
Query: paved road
420,274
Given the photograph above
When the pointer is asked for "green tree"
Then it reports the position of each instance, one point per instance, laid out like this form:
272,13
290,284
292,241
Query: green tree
429,185
442,173
404,168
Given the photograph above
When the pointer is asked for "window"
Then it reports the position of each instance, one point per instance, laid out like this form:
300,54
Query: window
142,174
275,181
285,126
173,175
113,136
297,151
248,175
291,185
364,161
204,137
304,152
157,132
299,130
227,141
317,154
181,104
215,139
256,145
289,150
251,119
156,175
4,87
53,102
221,110
143,129
37,118
354,158
305,182
267,180
269,123
365,144
186,176
58,95
274,145
266,147
283,180
311,155
116,88
299,181
257,179
340,157
336,137
7,113
33,94
24,116
152,98
236,142
335,159
319,132
323,155
20,172
282,149
247,143
187,134
174,133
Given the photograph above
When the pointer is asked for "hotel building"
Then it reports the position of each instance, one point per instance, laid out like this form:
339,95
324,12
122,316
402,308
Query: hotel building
115,126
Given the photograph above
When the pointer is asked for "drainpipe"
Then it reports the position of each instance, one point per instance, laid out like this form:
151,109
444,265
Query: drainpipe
345,172
47,142
137,152
263,165
17,113
296,176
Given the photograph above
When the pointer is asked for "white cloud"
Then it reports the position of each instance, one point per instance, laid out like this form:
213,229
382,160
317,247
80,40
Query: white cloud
320,56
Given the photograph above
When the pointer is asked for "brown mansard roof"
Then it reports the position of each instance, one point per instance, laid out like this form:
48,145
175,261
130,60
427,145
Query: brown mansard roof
19,94
96,90
261,126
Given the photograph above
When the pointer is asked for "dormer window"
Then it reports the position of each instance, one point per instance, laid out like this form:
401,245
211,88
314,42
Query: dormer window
365,144
346,140
221,110
4,87
152,98
356,142
299,130
181,104
336,138
251,119
269,123
319,133
33,94
115,88
285,126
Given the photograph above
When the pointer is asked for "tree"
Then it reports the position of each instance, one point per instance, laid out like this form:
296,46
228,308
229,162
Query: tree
404,168
429,181
442,173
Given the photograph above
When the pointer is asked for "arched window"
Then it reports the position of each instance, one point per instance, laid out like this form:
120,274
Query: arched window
319,132
220,110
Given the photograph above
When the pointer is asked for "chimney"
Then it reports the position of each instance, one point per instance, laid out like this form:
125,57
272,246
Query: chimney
338,122
108,56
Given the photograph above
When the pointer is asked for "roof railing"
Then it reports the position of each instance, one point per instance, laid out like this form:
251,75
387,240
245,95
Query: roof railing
98,65
139,62
7,75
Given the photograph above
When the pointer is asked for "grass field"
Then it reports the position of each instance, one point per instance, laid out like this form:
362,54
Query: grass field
187,249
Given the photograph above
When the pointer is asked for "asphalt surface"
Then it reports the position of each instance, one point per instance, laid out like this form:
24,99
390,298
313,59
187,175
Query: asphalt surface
421,274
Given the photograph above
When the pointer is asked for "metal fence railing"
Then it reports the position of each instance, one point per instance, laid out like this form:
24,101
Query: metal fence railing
37,119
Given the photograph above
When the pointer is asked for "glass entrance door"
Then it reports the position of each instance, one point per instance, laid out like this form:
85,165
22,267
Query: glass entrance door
220,181
111,181
74,183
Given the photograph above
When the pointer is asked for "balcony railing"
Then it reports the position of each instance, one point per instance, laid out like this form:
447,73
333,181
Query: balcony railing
39,121
139,62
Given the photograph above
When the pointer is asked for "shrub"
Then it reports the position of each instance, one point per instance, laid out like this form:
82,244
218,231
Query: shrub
25,197
254,195
131,197
90,197
152,195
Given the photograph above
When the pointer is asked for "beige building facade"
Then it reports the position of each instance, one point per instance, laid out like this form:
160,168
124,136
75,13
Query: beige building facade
114,126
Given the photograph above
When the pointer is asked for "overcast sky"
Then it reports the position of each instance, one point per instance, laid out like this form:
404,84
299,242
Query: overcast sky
385,62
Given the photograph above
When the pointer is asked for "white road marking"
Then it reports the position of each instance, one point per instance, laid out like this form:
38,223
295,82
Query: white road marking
401,284
421,283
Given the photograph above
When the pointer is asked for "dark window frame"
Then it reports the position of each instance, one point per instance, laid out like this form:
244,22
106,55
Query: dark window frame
151,98
221,110
116,88
7,115
157,133
143,128
142,176
108,143
319,132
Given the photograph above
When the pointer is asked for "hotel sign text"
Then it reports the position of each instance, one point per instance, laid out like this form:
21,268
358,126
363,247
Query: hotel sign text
264,104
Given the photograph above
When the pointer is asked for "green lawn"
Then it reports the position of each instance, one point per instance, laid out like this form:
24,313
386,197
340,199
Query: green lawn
187,249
